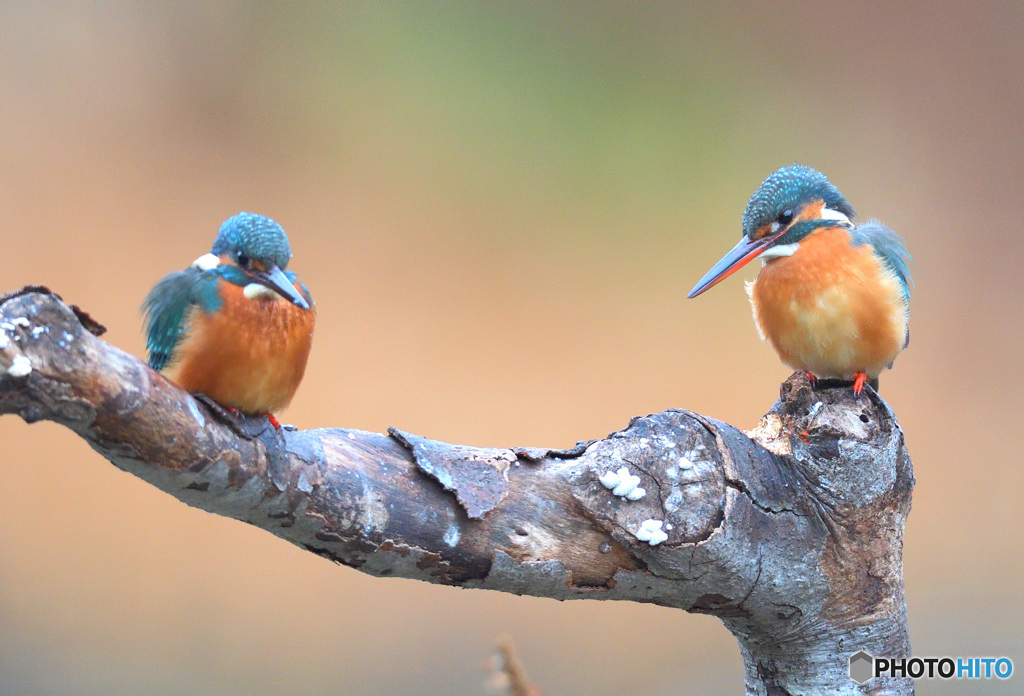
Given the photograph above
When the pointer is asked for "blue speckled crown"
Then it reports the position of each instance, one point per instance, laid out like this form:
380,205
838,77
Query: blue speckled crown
255,236
790,188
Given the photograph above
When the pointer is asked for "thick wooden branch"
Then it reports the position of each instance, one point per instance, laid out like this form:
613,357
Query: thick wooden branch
791,534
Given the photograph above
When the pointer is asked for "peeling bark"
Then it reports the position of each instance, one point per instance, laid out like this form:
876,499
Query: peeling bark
792,533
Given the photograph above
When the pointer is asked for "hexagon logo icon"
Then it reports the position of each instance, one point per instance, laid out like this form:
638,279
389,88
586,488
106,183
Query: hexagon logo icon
861,666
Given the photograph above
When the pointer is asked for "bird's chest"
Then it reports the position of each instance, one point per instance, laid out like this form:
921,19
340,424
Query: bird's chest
830,308
261,330
249,354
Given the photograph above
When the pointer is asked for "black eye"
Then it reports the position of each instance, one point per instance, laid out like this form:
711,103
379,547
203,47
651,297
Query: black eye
786,217
243,260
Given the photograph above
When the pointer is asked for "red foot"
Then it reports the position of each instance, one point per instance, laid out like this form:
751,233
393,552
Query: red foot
812,378
859,380
274,422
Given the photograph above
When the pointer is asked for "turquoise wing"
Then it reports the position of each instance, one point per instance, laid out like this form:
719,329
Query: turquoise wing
890,249
166,310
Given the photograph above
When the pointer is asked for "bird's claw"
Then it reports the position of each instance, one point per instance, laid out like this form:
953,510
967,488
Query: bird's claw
248,427
230,417
859,380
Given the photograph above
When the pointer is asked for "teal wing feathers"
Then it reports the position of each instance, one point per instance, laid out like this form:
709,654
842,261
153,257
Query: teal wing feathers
890,249
166,310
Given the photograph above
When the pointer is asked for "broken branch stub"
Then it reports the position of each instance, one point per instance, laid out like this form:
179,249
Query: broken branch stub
791,534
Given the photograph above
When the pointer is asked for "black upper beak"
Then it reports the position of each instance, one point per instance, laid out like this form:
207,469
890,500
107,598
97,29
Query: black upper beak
275,279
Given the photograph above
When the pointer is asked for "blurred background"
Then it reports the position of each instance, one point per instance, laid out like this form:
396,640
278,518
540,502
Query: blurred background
499,208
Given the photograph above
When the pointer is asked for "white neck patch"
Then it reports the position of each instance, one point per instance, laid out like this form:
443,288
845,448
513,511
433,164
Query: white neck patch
206,262
778,251
830,214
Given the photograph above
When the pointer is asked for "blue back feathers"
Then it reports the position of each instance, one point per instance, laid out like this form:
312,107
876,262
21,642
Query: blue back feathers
167,306
888,246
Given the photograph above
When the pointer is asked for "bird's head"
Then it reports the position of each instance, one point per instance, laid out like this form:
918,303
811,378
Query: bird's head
252,251
790,204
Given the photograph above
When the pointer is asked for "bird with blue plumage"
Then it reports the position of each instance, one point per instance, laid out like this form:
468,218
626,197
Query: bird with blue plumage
832,297
236,326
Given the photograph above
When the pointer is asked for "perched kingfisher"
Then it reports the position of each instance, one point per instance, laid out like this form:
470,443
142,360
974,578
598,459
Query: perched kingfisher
832,297
235,326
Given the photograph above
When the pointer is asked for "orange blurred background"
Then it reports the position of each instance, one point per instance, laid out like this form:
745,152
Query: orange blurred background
499,209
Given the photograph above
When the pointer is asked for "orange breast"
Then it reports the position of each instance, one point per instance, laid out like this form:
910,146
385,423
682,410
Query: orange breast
831,309
249,355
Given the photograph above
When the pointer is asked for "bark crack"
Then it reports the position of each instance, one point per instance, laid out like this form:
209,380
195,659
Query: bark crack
740,486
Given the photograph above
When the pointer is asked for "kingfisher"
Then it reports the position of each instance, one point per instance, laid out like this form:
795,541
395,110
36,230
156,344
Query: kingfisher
236,326
832,297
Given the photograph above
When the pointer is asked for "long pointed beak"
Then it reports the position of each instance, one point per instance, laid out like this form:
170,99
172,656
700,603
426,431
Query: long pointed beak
738,257
275,279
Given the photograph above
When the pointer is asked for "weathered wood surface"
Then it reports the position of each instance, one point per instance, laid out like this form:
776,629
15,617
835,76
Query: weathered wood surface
792,534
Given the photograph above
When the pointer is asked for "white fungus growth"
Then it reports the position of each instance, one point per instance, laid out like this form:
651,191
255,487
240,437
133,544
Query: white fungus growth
4,341
39,331
7,326
685,463
20,321
627,485
20,367
636,494
623,484
650,531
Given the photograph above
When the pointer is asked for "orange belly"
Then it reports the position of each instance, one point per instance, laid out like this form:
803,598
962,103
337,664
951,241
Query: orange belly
249,355
831,309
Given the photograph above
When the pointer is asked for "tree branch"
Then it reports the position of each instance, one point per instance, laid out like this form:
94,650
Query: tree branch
791,534
509,675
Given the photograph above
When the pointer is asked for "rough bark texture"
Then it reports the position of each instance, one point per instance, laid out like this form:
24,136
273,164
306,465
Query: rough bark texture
792,534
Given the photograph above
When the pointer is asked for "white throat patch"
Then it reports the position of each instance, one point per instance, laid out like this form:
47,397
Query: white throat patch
254,290
778,251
